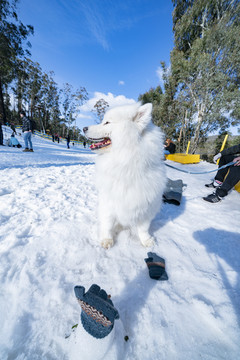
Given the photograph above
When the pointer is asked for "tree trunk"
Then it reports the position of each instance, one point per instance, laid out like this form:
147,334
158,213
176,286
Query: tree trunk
2,106
197,132
1,135
182,135
19,96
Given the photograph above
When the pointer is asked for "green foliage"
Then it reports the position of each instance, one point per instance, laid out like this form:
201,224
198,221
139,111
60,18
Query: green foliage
164,104
153,96
13,33
205,63
201,88
34,90
234,141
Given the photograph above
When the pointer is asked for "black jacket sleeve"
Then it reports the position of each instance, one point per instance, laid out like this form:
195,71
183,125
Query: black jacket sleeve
232,150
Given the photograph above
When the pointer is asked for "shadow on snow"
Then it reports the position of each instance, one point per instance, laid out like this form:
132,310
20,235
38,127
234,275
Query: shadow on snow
224,245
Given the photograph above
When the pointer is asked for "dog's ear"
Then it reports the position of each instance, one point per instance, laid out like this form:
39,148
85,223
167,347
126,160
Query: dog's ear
143,115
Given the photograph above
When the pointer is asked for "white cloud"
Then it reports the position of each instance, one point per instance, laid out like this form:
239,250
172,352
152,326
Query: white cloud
111,99
96,23
86,109
121,82
103,19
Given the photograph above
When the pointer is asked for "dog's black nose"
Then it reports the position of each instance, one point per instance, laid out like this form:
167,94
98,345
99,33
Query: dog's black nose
85,129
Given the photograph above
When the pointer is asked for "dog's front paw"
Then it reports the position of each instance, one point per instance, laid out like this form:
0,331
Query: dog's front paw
148,242
107,243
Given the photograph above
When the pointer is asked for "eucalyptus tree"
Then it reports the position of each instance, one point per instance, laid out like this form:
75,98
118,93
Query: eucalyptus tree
19,85
100,109
13,33
38,93
34,84
27,87
165,108
49,99
205,62
71,101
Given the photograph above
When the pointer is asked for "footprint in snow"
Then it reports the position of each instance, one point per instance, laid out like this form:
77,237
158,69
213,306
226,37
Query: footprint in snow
24,233
5,191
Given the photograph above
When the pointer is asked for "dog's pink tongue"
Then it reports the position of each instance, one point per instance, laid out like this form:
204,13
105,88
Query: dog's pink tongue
96,145
99,144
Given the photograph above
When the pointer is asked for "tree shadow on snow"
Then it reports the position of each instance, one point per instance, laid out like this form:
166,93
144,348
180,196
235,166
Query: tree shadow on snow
41,166
168,212
225,245
132,299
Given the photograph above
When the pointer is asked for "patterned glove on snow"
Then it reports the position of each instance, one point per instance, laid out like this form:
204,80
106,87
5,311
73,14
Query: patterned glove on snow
156,267
98,312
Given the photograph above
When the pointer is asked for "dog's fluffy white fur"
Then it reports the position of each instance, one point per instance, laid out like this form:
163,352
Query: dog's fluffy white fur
130,172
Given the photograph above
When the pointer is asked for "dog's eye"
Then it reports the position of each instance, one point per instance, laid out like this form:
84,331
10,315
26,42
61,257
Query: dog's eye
107,122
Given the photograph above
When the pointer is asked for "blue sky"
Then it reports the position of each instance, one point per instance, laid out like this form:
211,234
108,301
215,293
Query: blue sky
111,47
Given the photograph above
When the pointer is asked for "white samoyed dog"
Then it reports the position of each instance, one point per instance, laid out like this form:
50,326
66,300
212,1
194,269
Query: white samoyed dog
130,171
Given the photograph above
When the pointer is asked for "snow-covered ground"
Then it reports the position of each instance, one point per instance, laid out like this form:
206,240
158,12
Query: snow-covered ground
49,244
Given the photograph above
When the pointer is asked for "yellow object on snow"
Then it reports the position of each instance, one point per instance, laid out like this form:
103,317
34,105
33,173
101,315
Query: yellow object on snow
223,146
237,187
184,158
188,145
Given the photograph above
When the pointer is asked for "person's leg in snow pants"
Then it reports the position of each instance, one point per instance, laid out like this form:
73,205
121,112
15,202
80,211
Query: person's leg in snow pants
232,174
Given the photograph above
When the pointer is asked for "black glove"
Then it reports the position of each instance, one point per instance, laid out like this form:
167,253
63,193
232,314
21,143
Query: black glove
156,267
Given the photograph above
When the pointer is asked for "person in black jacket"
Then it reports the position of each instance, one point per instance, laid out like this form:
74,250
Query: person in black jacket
27,131
226,178
170,147
68,141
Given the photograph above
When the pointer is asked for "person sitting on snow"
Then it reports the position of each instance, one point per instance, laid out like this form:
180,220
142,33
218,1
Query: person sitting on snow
13,141
226,178
170,147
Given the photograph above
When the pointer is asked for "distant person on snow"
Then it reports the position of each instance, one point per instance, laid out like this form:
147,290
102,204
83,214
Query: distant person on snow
57,138
27,131
68,141
226,178
170,147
